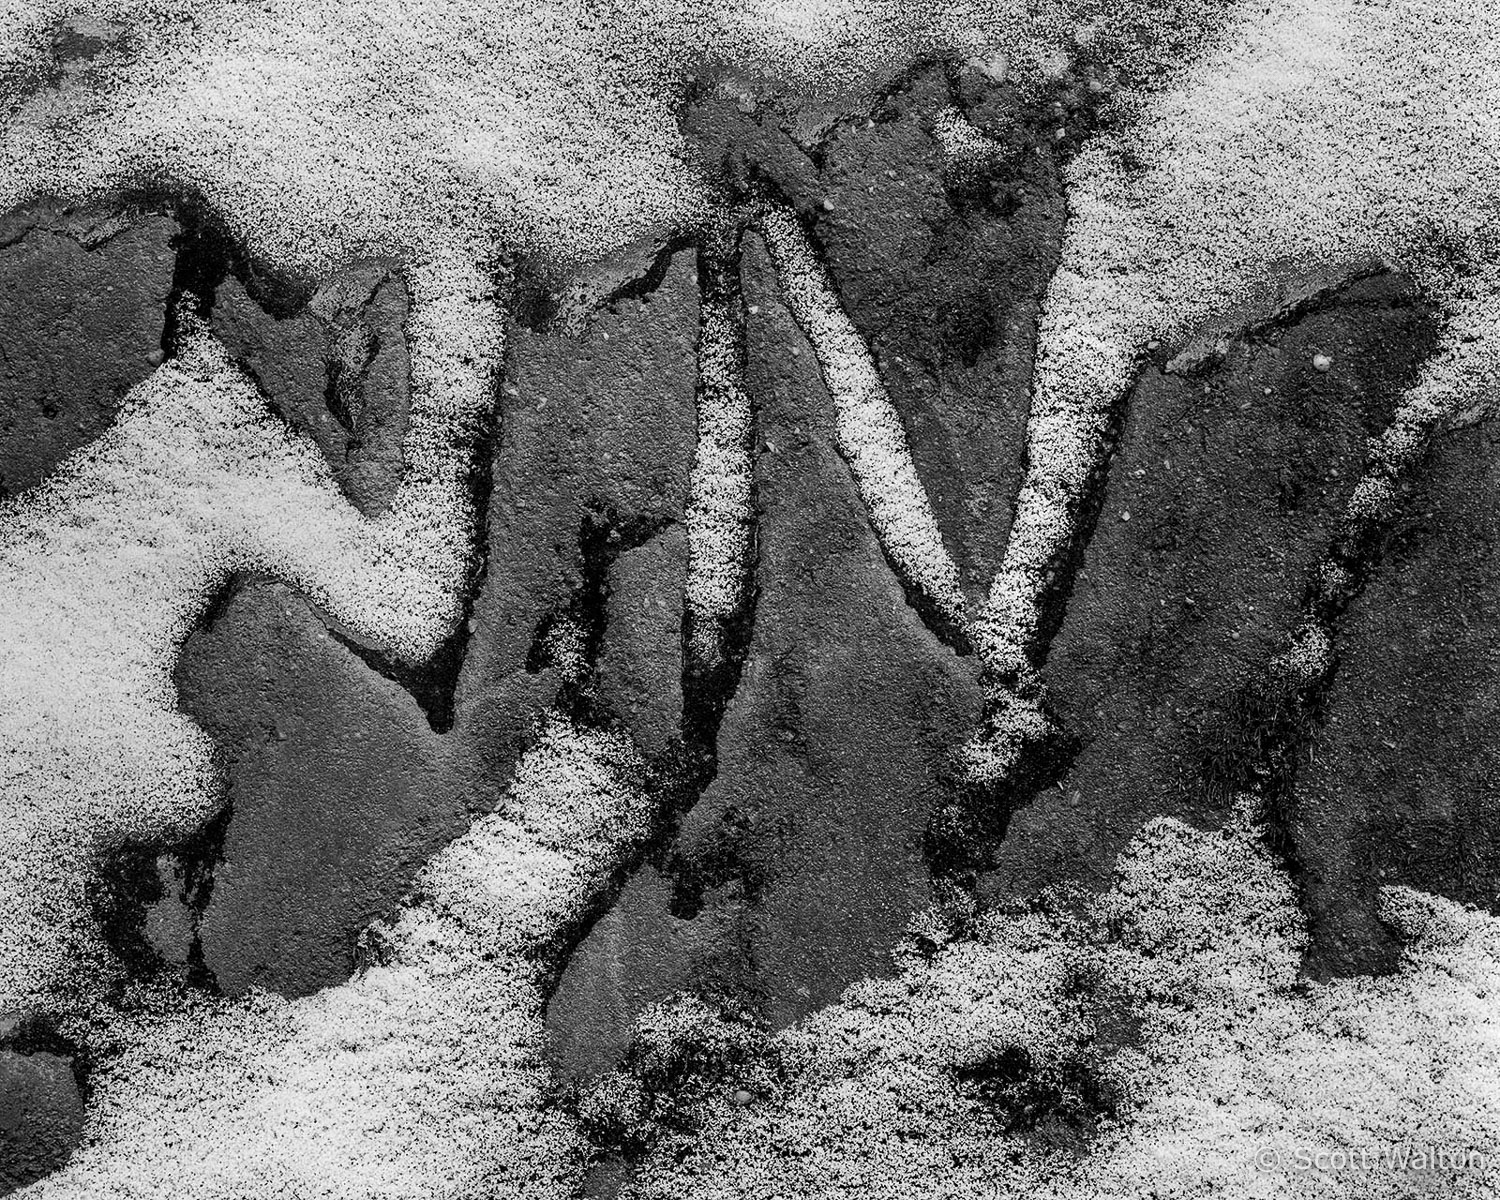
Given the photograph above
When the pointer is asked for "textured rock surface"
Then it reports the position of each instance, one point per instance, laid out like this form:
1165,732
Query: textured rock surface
592,424
1401,784
1219,502
338,791
40,1115
81,308
337,369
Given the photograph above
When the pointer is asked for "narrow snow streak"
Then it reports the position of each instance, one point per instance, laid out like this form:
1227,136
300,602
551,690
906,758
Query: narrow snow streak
720,514
868,429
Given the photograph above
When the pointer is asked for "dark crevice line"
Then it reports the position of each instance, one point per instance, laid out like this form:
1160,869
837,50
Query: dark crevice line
948,632
1057,596
1322,300
603,537
36,1034
679,774
341,382
645,285
200,856
434,683
1274,719
219,603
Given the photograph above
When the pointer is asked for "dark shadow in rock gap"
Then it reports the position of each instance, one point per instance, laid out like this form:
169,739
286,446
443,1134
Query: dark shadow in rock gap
337,370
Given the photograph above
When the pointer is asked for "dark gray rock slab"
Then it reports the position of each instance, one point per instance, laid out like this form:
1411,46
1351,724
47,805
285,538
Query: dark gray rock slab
802,862
41,1116
1400,785
596,420
81,308
338,790
1220,501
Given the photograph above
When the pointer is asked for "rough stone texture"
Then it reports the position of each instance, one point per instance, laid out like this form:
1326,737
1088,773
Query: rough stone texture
941,271
802,862
79,327
337,370
337,786
1400,787
1219,502
640,661
594,420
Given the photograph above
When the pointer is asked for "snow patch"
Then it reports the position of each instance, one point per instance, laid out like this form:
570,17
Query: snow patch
1155,1040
